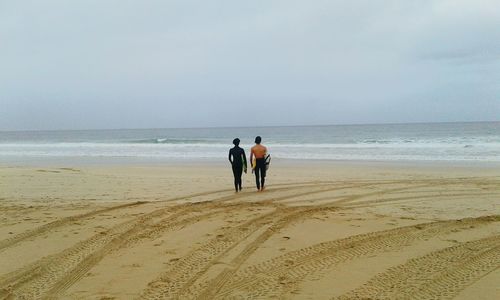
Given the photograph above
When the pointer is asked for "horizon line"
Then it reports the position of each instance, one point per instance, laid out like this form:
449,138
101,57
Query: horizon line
264,126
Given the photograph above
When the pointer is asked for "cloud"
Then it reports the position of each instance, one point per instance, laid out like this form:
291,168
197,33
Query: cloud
108,64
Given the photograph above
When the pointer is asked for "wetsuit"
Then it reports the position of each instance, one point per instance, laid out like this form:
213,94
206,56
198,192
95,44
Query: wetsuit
259,152
238,160
260,171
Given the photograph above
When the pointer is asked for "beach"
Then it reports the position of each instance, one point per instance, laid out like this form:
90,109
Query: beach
124,130
320,230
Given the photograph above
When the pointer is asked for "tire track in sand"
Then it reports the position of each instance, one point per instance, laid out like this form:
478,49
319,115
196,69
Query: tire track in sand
59,223
55,273
402,200
218,282
44,274
64,221
179,280
188,269
32,233
196,262
283,273
349,202
208,289
438,275
127,240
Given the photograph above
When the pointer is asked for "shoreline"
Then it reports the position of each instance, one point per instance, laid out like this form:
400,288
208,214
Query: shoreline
135,161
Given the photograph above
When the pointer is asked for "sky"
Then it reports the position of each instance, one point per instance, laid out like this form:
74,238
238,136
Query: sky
158,64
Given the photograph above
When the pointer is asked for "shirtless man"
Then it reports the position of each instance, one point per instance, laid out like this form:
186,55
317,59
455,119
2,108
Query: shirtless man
259,152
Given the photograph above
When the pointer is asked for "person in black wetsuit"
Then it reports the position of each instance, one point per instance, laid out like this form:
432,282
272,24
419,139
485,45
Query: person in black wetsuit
238,160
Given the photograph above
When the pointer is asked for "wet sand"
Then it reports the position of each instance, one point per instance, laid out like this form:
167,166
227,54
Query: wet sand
322,230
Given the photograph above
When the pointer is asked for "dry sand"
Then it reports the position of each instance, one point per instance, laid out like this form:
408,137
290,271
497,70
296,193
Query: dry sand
320,231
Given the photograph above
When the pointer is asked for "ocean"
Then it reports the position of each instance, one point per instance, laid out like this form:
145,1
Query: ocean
471,142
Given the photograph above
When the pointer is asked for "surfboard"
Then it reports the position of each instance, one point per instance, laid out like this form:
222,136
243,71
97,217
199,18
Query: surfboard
268,161
244,162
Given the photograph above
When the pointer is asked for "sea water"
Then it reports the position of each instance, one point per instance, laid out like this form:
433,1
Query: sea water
476,142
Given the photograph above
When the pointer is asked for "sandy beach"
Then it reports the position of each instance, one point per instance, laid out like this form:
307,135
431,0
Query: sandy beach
124,127
321,230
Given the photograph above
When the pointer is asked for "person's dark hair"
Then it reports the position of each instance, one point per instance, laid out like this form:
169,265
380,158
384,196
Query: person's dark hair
236,141
258,139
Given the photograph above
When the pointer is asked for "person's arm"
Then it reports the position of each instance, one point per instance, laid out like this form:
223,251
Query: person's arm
251,160
230,160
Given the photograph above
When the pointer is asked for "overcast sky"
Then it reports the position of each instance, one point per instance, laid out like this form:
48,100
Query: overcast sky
142,64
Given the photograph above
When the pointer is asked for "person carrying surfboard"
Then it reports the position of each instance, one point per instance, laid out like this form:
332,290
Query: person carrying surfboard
238,161
259,153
